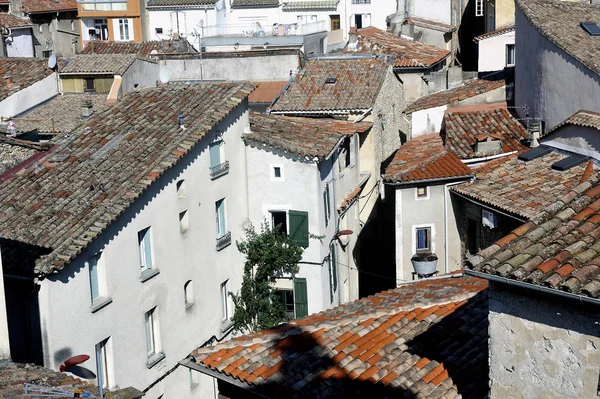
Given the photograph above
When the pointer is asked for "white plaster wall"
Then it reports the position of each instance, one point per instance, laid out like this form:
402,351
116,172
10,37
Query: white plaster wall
22,43
542,349
298,190
190,22
142,73
29,97
492,52
433,10
411,213
552,84
577,139
70,328
4,339
427,120
378,11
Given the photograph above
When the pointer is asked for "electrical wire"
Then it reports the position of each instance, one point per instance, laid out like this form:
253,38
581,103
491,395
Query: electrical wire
365,272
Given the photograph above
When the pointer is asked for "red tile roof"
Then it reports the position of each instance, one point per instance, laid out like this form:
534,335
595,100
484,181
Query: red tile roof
425,158
523,188
106,167
357,85
41,6
12,21
464,126
142,49
312,137
406,53
557,249
426,23
266,92
581,118
471,88
23,73
494,33
428,338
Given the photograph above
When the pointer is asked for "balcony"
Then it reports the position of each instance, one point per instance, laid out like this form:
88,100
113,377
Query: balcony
219,170
223,241
257,30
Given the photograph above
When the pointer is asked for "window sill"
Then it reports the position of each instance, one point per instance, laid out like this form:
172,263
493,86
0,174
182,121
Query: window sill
148,274
219,170
154,359
99,303
226,325
223,241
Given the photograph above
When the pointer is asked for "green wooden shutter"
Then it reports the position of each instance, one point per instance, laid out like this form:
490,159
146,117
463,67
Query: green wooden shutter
299,228
300,297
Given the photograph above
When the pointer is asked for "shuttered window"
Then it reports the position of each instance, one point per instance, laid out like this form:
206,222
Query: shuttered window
300,297
326,204
298,228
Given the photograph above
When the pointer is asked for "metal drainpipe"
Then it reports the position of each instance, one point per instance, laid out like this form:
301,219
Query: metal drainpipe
446,194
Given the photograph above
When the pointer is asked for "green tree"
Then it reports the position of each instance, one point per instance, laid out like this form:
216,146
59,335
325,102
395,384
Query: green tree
269,254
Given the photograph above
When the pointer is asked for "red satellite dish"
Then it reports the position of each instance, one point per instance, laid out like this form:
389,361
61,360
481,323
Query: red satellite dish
72,361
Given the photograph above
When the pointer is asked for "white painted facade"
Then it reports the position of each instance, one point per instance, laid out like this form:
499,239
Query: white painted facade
72,325
301,187
427,121
19,43
432,10
125,35
29,97
493,52
165,24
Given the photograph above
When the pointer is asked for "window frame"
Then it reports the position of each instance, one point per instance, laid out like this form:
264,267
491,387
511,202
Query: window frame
184,221
223,292
422,197
429,237
102,363
479,8
272,174
86,85
124,29
285,212
221,216
188,293
507,59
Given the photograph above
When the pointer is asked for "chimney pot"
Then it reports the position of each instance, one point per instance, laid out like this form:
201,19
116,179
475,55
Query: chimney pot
181,121
87,108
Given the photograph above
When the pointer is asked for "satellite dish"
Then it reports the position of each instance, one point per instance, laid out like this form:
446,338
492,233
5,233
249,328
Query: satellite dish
164,75
153,52
52,61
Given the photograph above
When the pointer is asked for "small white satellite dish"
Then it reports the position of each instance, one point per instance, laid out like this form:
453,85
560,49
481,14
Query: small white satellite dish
153,52
164,75
52,61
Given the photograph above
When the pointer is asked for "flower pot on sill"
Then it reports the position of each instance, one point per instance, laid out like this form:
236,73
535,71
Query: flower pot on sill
424,263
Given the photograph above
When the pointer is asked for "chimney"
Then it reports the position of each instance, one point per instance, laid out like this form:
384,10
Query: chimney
87,108
534,128
353,38
488,144
15,8
8,80
181,121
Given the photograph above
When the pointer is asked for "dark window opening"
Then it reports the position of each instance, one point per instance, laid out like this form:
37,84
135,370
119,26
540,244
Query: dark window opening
286,299
358,21
279,221
159,31
89,84
277,171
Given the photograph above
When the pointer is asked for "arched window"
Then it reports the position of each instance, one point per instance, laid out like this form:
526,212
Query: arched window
188,290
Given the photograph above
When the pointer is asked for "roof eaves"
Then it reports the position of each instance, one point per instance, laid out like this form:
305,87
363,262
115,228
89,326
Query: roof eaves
436,180
489,205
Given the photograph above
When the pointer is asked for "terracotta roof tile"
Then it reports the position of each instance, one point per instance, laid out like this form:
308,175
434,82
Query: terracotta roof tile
356,87
312,137
23,72
559,22
113,64
519,187
497,32
41,6
425,158
446,350
570,264
255,3
13,152
581,118
142,49
12,21
104,168
470,88
406,53
462,125
266,92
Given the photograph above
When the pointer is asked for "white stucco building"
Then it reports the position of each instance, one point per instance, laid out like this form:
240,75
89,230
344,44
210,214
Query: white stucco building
141,276
295,173
496,49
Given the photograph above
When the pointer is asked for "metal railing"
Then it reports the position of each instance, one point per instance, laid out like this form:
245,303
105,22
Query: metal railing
223,241
257,29
219,170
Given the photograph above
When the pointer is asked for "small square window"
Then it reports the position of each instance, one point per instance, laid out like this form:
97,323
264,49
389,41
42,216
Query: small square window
89,84
423,236
277,171
510,54
421,192
159,31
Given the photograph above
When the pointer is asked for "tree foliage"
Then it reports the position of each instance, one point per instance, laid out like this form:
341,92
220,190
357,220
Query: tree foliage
269,254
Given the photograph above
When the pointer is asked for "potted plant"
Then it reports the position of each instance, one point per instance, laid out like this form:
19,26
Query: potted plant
424,262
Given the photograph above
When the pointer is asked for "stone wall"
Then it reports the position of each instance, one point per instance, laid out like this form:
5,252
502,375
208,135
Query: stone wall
542,347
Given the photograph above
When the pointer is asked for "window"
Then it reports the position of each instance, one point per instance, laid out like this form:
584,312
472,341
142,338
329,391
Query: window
276,172
181,189
344,157
100,30
326,204
123,29
46,53
422,193
286,299
73,26
279,221
335,22
184,222
220,212
510,54
145,246
102,364
218,167
159,31
332,271
423,236
41,28
104,6
89,84
151,332
479,8
96,269
224,301
193,378
188,290
298,227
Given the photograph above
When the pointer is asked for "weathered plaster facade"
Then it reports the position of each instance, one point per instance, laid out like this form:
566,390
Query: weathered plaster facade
549,82
29,97
542,347
492,54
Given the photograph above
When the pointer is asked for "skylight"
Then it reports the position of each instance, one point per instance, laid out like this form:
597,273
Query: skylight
591,27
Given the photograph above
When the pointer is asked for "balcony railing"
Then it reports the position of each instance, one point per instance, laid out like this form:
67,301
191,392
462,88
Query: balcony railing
219,170
256,29
223,241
